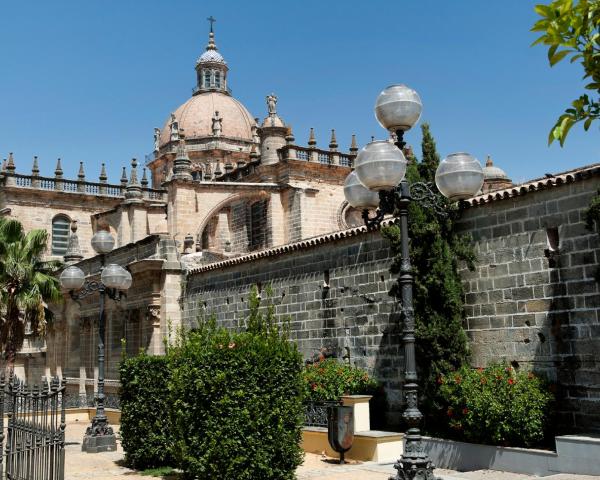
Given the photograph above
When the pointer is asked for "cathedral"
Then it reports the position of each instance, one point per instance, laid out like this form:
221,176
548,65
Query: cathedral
220,185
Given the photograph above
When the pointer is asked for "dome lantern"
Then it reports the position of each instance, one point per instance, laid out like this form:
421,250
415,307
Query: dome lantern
211,67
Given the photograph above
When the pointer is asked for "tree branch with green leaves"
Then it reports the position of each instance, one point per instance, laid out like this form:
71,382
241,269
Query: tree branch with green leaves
570,29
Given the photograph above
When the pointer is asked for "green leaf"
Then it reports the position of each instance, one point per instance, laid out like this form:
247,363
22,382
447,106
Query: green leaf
587,123
554,59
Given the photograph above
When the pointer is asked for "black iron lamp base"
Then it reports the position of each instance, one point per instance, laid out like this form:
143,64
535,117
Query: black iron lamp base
411,470
99,437
99,443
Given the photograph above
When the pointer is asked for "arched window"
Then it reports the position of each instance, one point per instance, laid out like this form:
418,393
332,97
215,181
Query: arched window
206,78
60,234
218,79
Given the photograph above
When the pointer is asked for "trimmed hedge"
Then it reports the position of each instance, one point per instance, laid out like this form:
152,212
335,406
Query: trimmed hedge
145,428
237,404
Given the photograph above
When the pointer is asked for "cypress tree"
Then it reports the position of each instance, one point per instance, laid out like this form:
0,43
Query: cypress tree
436,252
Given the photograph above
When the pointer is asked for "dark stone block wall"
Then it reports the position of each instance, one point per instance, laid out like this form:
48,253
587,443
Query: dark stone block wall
352,318
532,300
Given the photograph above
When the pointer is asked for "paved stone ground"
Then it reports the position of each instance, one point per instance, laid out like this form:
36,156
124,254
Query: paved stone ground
109,466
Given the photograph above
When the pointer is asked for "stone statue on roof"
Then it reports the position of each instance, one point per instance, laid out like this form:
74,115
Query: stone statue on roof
156,139
272,104
217,125
174,128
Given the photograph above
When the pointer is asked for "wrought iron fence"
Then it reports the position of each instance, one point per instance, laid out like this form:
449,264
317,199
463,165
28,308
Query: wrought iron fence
315,413
35,438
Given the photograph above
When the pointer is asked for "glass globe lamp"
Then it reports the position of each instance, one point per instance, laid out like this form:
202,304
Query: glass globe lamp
115,276
380,165
128,282
103,242
357,195
398,107
459,176
72,278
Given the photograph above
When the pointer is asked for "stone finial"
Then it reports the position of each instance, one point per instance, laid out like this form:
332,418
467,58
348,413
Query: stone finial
103,177
58,176
73,253
133,192
372,138
289,136
4,164
333,145
253,153
35,169
58,171
353,144
182,166
218,171
489,162
312,141
35,173
81,173
10,166
81,178
144,178
124,177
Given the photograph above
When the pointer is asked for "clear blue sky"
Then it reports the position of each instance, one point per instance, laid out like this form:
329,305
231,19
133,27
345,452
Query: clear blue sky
88,80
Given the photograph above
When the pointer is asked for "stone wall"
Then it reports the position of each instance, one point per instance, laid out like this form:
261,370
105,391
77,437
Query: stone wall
532,299
335,296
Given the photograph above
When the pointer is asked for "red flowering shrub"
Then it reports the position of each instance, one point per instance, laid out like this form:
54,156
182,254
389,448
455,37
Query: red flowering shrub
496,405
330,379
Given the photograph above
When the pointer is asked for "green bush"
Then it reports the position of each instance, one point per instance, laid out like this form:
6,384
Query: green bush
496,405
145,431
330,379
237,401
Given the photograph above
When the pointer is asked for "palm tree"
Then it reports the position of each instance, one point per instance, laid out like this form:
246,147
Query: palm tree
27,285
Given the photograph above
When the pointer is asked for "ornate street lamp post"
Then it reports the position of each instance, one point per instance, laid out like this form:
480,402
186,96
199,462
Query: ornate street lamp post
114,279
378,182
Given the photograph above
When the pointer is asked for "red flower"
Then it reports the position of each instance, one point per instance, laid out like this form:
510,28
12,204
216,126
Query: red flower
465,411
511,381
313,386
440,380
480,370
450,412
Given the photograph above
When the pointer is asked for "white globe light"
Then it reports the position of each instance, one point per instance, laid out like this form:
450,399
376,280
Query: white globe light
459,176
72,278
380,165
398,107
357,195
128,281
114,276
103,242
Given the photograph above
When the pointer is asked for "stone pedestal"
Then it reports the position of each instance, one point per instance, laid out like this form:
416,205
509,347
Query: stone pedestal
99,443
362,419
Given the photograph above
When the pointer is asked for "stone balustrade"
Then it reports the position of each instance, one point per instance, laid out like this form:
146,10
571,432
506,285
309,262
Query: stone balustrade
315,155
74,186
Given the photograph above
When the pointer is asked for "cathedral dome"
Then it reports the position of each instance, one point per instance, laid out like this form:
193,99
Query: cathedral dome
195,118
211,56
492,172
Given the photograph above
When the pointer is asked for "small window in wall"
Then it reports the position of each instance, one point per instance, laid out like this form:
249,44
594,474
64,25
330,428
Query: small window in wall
60,234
